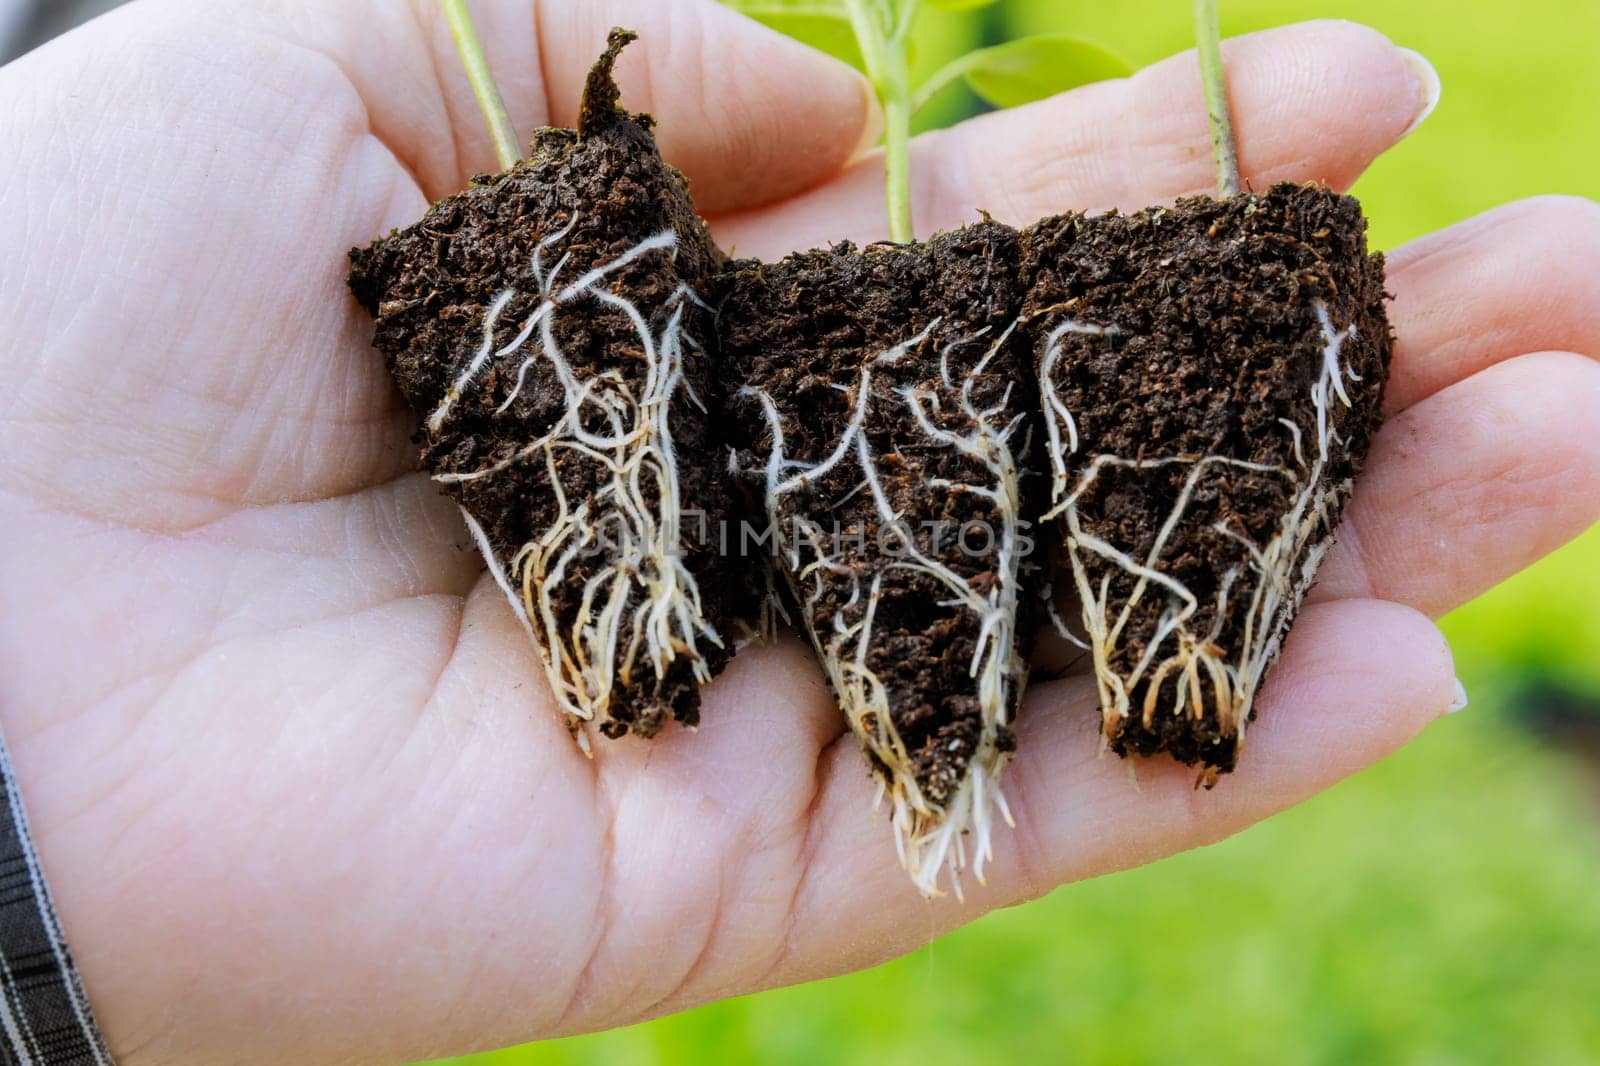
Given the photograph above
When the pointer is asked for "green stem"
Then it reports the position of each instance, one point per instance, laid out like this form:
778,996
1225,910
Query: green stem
897,159
884,51
1224,149
506,145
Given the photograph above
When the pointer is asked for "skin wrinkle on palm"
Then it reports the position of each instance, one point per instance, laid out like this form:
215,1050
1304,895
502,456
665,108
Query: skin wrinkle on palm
319,712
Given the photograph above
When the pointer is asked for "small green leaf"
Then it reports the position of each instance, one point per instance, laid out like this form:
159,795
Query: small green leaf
822,24
960,5
825,33
1031,68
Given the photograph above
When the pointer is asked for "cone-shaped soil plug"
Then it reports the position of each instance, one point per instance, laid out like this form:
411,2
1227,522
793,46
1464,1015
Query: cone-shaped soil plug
547,325
889,413
1211,375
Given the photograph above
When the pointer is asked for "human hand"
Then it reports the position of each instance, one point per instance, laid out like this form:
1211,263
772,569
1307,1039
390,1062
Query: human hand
291,764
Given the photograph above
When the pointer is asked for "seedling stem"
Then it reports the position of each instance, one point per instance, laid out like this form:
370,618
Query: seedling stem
882,29
507,148
1223,146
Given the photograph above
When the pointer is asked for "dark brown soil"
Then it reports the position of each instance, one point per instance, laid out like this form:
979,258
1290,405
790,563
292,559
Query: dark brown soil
803,331
431,287
1214,339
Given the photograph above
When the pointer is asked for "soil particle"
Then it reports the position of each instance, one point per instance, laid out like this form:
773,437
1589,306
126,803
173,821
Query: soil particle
547,326
1195,362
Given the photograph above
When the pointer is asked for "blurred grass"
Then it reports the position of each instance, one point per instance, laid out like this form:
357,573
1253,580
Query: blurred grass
1443,907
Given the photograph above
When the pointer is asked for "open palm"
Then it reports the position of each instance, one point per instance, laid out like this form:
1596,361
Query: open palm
294,772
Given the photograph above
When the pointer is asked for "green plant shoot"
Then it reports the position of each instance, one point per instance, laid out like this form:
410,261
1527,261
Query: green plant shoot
507,147
877,37
1224,149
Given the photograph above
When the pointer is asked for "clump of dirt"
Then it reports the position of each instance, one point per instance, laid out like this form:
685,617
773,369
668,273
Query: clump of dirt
548,327
887,417
1212,374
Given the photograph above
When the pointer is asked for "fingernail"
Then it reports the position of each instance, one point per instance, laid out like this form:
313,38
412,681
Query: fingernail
1460,702
1429,87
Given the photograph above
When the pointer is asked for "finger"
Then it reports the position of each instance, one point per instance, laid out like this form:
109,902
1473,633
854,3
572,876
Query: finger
1521,278
1317,101
1473,484
1357,680
748,114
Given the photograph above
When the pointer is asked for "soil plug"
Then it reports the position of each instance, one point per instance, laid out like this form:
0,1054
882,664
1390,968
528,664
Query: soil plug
891,420
1211,376
548,328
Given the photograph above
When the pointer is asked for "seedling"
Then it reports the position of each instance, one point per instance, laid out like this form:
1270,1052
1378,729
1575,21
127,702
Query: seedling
915,423
1209,392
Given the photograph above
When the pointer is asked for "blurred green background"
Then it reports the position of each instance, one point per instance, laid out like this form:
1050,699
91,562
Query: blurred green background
1443,907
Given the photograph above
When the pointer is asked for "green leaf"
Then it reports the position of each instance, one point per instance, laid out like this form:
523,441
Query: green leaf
1031,68
822,24
960,5
825,33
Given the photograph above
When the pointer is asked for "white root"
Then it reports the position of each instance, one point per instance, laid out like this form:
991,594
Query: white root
1179,658
641,607
929,835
